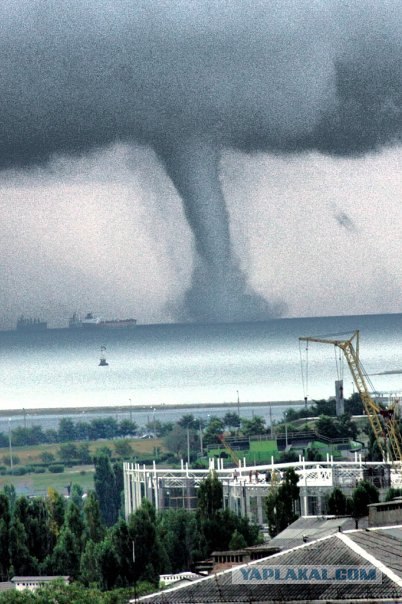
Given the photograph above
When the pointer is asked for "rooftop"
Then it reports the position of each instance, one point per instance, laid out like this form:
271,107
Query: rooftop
379,548
309,528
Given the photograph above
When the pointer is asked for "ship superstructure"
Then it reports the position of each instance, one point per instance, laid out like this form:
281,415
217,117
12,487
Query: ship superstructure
91,321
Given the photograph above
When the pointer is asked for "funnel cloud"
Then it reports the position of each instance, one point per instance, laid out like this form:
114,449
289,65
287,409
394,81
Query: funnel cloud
190,80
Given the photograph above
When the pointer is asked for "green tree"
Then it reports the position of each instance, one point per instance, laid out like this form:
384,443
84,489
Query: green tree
364,494
178,530
76,495
337,503
5,519
74,521
83,454
323,407
82,430
68,452
21,560
66,430
213,430
106,489
237,541
374,452
108,564
34,516
281,503
392,493
149,552
210,495
176,441
65,559
327,426
127,428
89,565
217,530
9,492
93,523
354,405
187,421
103,427
231,420
47,457
255,425
123,448
55,505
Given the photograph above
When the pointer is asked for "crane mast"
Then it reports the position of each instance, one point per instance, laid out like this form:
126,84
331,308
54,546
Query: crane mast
382,421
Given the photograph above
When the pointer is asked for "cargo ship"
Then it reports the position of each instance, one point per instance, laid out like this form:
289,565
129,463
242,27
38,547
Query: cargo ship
30,324
90,321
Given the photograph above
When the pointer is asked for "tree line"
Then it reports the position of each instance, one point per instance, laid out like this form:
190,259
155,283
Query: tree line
90,540
70,431
282,502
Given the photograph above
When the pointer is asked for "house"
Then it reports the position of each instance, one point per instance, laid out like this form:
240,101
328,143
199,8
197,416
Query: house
351,566
386,513
35,582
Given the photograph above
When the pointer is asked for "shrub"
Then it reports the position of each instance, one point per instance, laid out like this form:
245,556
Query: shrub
6,460
19,471
39,470
56,468
47,457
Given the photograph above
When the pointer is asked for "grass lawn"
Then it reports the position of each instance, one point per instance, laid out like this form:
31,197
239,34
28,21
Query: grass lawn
37,484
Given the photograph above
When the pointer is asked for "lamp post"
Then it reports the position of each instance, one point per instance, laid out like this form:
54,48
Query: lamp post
201,443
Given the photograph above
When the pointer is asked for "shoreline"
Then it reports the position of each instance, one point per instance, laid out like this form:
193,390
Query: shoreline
142,408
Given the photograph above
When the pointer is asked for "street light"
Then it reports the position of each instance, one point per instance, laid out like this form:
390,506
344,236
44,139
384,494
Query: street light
201,443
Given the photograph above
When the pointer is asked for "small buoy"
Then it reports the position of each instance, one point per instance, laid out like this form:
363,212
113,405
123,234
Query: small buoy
103,362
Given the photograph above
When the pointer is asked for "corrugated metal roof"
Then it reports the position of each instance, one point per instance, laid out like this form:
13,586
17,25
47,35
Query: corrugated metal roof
333,550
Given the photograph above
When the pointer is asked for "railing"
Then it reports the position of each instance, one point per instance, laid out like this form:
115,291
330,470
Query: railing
236,442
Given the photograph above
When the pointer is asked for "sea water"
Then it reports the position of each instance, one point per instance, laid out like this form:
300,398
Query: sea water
193,364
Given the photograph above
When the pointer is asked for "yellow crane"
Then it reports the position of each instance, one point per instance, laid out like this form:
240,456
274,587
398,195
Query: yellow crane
384,422
232,454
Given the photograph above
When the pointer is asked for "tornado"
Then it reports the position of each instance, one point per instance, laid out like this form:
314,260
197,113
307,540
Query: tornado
191,80
219,290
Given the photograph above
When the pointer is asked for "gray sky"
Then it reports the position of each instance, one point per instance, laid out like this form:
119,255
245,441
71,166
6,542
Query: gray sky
200,161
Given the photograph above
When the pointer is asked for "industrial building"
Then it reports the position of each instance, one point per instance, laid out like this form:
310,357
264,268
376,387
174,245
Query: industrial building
246,487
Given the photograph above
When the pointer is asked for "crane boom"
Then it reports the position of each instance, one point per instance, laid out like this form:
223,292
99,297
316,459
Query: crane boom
232,454
382,421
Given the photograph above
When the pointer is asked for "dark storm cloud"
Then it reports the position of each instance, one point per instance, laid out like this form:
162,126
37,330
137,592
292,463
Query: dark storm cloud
189,78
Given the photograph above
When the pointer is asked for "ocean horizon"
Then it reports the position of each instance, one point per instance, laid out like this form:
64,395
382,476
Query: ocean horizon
193,364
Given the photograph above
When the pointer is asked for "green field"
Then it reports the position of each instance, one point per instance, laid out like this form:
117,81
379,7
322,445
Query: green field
38,484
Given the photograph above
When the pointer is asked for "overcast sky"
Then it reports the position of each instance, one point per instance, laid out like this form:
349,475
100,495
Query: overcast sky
180,161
